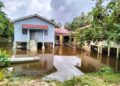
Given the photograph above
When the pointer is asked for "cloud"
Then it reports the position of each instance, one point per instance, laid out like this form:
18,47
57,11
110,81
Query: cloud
61,10
19,8
66,10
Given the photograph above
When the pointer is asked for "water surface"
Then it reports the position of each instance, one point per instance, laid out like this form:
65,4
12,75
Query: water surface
90,62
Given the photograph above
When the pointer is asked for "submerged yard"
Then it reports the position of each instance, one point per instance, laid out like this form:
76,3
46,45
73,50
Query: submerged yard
62,59
31,74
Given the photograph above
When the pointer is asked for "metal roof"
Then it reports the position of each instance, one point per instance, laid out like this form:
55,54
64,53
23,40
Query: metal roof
35,15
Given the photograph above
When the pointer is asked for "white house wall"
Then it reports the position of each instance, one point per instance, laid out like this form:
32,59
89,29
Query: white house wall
19,37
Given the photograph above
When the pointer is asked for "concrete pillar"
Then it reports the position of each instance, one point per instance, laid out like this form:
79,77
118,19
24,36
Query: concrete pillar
28,39
116,65
89,48
108,51
61,40
74,40
53,47
117,53
14,48
33,46
108,60
70,39
98,50
14,45
43,43
98,57
101,50
53,44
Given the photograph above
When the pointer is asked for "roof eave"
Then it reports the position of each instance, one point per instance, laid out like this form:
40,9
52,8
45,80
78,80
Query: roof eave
35,15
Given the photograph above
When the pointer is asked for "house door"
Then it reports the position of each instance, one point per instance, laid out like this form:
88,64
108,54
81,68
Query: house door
32,35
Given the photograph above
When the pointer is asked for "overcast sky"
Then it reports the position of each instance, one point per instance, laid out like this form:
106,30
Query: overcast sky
61,10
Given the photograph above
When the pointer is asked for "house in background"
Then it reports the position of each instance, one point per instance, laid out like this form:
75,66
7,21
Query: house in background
62,36
34,28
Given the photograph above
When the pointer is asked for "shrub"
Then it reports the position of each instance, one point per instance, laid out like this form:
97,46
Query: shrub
4,59
2,76
106,70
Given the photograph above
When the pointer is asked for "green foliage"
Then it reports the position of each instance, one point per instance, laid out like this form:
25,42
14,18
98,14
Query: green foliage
106,70
2,76
105,77
105,24
6,27
4,59
78,22
4,73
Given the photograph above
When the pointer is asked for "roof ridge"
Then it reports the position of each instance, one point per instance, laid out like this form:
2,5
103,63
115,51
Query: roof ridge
35,15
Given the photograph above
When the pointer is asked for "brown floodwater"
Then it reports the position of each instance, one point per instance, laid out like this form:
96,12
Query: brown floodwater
90,61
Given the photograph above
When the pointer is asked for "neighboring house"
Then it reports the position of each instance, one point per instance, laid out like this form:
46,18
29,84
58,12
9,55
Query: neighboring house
34,27
62,36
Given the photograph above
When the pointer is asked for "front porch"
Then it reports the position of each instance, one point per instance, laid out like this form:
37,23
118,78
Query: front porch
36,37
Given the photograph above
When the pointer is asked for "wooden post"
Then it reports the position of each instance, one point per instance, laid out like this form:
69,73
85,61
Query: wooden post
61,40
60,50
108,51
117,52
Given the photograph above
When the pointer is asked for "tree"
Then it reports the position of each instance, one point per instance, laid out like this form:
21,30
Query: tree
105,24
78,22
6,27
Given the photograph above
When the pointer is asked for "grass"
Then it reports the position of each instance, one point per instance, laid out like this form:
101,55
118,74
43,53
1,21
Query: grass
105,77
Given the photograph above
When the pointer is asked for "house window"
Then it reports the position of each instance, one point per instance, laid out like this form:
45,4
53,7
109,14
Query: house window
24,31
46,32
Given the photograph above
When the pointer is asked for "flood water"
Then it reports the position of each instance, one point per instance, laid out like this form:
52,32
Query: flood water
90,62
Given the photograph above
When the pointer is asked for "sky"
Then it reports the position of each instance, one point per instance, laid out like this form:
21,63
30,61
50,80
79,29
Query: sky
62,11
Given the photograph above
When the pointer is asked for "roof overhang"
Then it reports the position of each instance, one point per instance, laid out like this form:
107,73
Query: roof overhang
31,26
62,31
35,15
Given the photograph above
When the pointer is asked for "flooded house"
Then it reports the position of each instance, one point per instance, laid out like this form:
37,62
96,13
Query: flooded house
32,31
111,48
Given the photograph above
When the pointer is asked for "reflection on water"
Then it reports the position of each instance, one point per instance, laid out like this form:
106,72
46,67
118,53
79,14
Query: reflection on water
90,61
45,65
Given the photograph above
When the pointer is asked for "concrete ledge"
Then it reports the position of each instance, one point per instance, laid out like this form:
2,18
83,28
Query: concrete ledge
14,60
66,68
